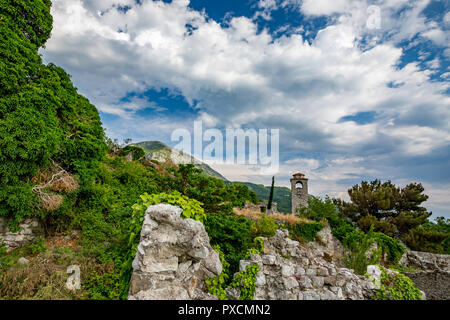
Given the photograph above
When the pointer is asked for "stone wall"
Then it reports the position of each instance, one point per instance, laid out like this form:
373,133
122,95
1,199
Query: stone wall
426,261
432,275
174,258
289,271
30,228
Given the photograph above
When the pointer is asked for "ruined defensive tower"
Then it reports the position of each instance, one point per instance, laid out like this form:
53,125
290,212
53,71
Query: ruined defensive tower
299,189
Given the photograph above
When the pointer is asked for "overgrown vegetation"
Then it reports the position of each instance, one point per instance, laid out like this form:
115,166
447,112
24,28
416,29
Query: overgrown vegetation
304,232
396,212
396,287
244,281
43,120
362,248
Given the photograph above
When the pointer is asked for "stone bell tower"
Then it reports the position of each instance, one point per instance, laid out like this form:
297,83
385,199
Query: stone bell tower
299,189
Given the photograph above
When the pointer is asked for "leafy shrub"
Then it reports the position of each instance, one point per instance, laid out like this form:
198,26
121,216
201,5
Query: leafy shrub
232,234
265,226
392,247
397,287
319,210
304,231
358,256
191,208
245,280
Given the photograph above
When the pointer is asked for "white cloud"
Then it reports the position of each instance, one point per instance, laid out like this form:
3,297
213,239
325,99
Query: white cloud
436,35
324,7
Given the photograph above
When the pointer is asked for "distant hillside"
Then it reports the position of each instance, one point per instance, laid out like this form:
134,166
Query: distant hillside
160,152
281,195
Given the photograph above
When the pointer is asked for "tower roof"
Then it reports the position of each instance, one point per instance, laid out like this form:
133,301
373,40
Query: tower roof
298,175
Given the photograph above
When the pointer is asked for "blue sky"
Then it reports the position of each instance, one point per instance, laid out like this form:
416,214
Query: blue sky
358,88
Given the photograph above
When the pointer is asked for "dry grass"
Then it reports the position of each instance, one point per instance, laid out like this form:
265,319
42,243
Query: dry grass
61,240
45,276
49,182
254,214
66,183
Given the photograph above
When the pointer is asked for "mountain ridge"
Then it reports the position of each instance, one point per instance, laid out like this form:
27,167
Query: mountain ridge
159,151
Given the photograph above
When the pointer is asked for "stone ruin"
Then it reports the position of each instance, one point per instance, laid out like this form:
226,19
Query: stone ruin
29,229
175,258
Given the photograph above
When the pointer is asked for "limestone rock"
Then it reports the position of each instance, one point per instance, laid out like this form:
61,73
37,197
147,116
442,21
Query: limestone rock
174,258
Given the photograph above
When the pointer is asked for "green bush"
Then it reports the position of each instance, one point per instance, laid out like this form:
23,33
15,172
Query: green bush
304,231
319,210
104,286
358,256
42,117
265,226
392,247
397,287
232,234
245,280
191,209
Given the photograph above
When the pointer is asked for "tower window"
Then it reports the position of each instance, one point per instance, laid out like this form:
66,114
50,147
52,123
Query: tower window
299,185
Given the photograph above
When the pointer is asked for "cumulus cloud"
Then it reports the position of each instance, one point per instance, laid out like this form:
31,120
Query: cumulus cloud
233,74
324,7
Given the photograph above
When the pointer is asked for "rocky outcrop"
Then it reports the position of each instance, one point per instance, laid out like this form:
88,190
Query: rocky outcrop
173,259
29,229
289,271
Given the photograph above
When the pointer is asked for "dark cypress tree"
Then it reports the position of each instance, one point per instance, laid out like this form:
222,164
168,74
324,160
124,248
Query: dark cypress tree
269,206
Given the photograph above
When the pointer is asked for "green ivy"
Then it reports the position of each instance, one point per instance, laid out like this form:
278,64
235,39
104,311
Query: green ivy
391,246
245,282
397,287
191,207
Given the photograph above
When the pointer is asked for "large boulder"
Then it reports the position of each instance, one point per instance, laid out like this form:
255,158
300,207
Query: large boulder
174,258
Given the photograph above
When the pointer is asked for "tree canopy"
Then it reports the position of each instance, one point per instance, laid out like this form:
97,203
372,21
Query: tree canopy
42,117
